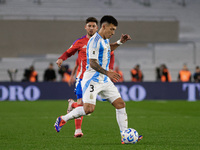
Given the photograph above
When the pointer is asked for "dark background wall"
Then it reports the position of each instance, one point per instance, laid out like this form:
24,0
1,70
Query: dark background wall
35,37
139,91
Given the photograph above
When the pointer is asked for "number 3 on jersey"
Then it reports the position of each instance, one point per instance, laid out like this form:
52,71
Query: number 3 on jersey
92,88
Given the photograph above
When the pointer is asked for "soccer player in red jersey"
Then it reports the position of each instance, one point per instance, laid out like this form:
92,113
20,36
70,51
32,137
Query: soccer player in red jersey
80,45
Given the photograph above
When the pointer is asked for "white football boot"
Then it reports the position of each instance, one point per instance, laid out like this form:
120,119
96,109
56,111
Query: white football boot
78,133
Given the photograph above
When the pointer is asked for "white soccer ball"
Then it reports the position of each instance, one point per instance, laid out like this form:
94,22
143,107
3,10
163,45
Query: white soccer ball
129,136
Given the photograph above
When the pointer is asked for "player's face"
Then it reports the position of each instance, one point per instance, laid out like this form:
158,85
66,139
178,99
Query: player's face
91,28
109,30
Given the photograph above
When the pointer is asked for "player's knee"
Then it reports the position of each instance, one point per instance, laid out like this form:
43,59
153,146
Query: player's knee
119,103
88,111
89,108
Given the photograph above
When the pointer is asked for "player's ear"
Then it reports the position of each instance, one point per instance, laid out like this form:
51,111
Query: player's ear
97,29
103,25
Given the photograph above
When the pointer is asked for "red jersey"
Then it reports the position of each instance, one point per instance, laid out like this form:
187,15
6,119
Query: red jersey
112,60
80,45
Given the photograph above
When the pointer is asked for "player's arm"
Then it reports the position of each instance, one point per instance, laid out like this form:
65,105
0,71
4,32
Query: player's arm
112,75
71,80
68,53
124,38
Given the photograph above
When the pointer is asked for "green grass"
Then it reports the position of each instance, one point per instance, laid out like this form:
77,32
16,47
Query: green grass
165,125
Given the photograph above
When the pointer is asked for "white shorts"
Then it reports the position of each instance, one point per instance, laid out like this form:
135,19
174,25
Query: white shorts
106,90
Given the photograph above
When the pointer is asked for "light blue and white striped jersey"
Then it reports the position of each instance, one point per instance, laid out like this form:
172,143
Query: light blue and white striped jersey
97,48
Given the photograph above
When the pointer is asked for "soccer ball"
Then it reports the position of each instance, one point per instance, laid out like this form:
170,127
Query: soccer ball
129,136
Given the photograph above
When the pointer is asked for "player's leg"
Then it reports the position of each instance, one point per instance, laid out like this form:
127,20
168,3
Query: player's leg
89,108
114,97
75,113
78,121
111,93
72,105
121,114
89,100
89,93
78,93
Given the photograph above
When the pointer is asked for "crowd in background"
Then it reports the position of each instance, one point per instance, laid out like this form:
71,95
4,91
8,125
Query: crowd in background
184,75
31,75
162,74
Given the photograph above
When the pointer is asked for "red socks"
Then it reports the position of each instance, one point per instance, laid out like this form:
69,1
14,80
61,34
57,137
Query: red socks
78,121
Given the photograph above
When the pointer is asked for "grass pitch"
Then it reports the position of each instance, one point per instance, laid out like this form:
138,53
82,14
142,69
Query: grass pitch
165,125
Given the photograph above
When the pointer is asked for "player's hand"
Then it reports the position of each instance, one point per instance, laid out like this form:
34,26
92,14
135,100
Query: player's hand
113,75
59,62
111,70
124,38
71,81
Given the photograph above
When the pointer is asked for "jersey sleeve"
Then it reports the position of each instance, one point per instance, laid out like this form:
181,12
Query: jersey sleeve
93,49
71,51
112,60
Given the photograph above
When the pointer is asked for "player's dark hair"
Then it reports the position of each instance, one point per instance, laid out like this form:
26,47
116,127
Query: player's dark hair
91,19
109,19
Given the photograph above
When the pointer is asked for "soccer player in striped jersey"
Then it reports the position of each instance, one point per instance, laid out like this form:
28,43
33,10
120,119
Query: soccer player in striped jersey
80,45
77,66
97,78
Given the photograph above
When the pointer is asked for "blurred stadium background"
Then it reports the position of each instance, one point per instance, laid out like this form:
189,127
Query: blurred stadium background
39,31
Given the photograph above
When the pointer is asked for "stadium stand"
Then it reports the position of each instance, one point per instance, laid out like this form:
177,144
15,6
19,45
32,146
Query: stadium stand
149,55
